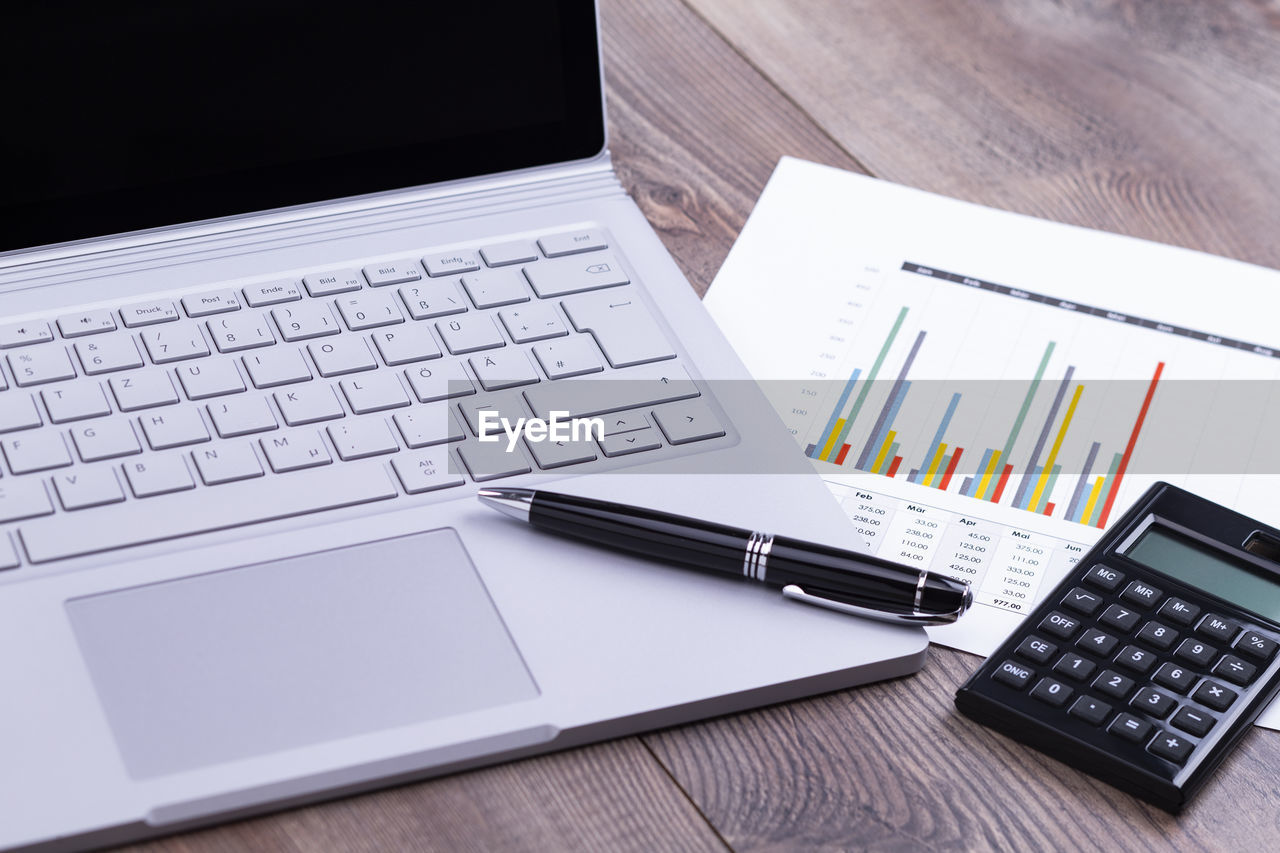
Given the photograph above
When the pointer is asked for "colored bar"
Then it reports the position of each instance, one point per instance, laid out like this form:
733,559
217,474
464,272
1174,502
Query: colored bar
972,488
1048,489
1004,480
1022,412
808,451
884,452
927,479
986,474
1020,496
894,404
844,451
835,421
893,449
1094,511
1048,508
884,413
1041,491
965,484
831,442
1033,474
893,469
871,377
1128,449
951,469
1073,506
912,475
942,428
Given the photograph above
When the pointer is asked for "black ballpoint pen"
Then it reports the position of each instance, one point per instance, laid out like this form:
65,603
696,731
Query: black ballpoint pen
816,574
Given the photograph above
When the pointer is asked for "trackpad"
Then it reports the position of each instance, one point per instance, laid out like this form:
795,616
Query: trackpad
283,654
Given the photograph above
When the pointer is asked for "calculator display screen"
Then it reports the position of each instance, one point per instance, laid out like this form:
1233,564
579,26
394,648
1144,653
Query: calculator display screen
1186,560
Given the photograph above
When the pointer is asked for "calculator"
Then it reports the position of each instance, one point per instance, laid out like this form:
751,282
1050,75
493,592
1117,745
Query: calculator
1153,657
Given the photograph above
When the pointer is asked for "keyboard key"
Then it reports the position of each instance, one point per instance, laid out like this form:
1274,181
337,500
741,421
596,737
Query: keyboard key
1193,721
624,422
214,302
24,334
1174,677
158,475
492,288
1157,636
424,426
1141,594
1215,627
173,428
308,404
1153,702
241,332
470,334
1091,710
692,420
504,254
575,274
376,392
198,511
359,439
491,461
392,272
174,343
329,283
106,440
35,451
573,356
107,355
1130,728
272,293
450,263
1136,659
148,313
1051,692
8,554
280,366
338,357
1097,642
1214,696
494,408
1120,617
1113,684
242,416
226,463
432,299
1171,747
83,323
1035,649
439,381
1060,625
23,498
1013,674
304,322
1082,601
1074,666
625,331
572,243
87,487
211,378
426,471
557,454
1196,652
75,403
38,366
295,451
18,412
1179,612
1104,578
406,345
613,392
503,369
1255,645
1235,670
369,310
627,443
142,391
534,322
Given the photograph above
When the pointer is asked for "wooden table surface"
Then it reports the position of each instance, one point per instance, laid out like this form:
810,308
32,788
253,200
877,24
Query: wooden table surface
1155,119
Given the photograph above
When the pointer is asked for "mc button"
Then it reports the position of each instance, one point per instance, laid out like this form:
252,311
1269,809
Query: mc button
1103,578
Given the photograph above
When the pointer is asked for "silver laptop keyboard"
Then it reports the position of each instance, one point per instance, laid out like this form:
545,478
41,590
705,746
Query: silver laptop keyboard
204,411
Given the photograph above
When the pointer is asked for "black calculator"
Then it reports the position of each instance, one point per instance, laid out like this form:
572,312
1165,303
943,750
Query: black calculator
1153,657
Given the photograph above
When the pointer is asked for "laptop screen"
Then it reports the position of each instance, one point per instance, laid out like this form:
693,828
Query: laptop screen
129,115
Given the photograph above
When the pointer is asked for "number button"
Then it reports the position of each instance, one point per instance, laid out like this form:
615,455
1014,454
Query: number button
1192,721
1082,602
1153,702
1036,649
1256,646
1174,677
1013,674
1235,670
1215,696
1170,747
1196,652
1113,684
1120,617
1098,642
1141,594
1179,612
1157,635
1103,578
1136,659
1074,666
1060,625
1051,692
1218,628
1129,727
1090,710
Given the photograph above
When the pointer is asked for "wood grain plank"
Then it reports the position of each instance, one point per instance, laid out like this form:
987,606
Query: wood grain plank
1157,120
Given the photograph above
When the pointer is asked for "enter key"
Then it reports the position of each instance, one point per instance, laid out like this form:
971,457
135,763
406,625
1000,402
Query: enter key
621,325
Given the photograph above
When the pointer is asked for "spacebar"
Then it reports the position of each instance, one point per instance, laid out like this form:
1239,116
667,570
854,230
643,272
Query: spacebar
202,510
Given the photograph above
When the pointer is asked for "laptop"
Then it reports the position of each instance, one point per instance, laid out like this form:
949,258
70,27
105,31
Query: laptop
262,265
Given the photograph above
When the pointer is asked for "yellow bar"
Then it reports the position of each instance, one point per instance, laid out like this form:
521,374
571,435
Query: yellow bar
831,442
933,466
1093,499
986,475
1034,503
884,451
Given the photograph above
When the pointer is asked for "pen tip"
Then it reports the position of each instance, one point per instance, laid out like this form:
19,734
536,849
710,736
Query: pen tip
512,502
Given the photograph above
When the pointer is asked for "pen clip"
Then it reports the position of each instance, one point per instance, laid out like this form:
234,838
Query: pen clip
912,618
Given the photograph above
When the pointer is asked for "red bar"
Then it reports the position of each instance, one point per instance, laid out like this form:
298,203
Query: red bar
893,469
1128,449
1004,479
1048,508
844,448
951,469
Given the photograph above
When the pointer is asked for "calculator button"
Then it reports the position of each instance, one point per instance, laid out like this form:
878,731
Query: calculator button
1082,602
1235,670
1060,625
1096,641
1120,617
1153,702
1036,649
1141,594
1215,696
1174,677
1193,721
1196,652
1218,628
1074,666
1171,747
1157,635
1179,612
1130,727
1051,692
1090,710
1256,646
1012,674
1113,684
1103,578
1136,659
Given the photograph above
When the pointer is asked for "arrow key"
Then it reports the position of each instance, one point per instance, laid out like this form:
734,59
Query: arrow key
624,422
630,442
691,420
